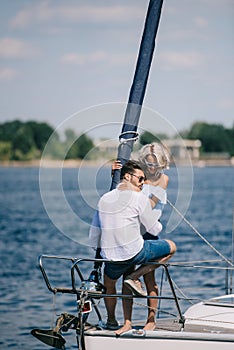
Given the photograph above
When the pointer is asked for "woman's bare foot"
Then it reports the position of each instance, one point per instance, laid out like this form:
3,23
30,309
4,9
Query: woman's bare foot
126,327
150,326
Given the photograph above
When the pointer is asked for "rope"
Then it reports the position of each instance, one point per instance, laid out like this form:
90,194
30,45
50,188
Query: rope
146,306
134,138
181,292
207,320
200,235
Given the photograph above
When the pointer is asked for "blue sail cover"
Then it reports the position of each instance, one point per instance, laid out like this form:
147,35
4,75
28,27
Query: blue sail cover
137,92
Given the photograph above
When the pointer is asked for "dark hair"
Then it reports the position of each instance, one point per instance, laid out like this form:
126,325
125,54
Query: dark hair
129,168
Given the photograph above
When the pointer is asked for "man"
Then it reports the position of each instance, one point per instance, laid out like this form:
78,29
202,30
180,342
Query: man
121,213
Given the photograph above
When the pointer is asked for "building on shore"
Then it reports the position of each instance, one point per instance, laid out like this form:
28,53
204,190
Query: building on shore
178,148
182,148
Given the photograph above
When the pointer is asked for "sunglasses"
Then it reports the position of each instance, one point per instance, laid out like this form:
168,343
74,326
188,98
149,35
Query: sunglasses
140,178
151,165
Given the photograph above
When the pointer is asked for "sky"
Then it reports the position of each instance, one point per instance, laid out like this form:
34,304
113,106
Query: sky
60,57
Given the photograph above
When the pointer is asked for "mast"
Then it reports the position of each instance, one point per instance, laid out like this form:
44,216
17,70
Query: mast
136,96
137,92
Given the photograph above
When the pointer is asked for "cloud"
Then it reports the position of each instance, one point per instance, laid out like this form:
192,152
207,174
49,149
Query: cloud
15,48
99,14
226,103
81,59
97,57
180,60
44,12
7,74
41,13
201,22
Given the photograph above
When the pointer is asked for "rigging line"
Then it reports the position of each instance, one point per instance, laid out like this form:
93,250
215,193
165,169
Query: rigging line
232,235
181,292
200,235
231,274
192,262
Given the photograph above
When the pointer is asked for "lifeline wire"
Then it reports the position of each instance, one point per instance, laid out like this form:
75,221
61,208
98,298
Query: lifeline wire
231,275
200,235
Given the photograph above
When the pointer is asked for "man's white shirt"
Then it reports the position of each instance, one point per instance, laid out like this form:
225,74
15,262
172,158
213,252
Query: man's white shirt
121,214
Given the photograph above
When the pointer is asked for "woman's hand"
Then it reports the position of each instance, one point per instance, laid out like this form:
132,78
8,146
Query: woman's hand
115,166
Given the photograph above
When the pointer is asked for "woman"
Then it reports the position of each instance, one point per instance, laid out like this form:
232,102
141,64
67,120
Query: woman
154,159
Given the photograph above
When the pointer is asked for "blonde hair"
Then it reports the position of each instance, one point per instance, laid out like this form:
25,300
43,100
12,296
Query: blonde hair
159,151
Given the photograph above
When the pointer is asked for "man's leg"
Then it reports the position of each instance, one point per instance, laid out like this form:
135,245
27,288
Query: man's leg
110,303
127,306
144,269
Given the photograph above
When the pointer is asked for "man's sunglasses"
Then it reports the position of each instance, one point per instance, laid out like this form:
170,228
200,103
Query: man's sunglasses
140,178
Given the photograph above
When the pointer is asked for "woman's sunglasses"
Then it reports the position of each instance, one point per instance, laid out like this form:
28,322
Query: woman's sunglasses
151,165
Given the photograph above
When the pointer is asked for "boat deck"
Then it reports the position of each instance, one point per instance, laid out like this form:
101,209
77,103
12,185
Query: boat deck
163,325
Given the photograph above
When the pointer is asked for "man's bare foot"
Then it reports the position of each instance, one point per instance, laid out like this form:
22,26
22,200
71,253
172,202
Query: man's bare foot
125,328
150,326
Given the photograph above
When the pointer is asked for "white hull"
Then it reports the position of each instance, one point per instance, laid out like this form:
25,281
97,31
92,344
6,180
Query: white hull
208,325
161,341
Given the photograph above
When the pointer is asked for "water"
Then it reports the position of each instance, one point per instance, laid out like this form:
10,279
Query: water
27,232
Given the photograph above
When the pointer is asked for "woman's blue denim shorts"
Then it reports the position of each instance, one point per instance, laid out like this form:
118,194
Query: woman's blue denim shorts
151,251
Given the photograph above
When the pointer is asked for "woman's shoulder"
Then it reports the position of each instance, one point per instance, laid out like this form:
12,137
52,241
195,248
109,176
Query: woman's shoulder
162,182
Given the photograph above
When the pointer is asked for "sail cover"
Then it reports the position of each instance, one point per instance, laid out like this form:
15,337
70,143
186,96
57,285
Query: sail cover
137,92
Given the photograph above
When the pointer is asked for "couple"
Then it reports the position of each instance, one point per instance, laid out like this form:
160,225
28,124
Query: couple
120,214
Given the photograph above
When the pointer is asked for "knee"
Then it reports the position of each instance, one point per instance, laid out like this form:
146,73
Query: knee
172,246
110,285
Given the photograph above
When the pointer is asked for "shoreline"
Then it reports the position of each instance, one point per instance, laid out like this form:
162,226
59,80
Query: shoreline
48,163
73,163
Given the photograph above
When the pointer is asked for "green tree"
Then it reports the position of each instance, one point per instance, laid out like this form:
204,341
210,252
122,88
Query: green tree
5,150
214,137
80,148
23,143
27,139
230,140
84,144
147,137
41,133
9,129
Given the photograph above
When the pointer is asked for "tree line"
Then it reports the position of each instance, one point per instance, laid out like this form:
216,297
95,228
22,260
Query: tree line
215,138
27,140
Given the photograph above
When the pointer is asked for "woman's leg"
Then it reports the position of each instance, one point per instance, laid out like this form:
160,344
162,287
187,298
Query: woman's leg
152,290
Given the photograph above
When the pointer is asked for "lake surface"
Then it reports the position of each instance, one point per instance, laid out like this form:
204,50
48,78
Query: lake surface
37,217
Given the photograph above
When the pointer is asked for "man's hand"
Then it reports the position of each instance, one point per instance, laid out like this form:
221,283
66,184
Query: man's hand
153,200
